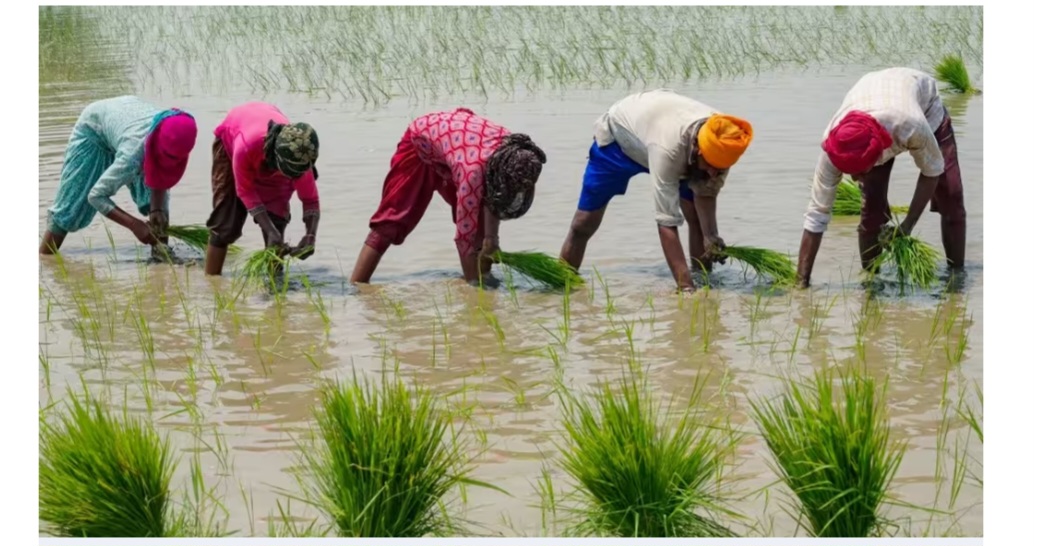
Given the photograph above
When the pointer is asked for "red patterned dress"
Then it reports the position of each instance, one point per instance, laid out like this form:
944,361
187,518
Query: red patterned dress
445,153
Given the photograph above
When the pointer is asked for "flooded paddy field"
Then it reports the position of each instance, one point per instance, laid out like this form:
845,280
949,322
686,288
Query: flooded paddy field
233,375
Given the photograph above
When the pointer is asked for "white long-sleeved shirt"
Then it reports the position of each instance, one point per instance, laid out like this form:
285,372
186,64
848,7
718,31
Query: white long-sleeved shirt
654,129
907,103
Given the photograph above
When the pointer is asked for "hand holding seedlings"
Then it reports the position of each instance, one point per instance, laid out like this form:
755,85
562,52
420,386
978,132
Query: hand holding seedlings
714,247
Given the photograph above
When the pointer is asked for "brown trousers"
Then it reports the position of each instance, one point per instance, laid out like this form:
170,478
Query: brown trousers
229,213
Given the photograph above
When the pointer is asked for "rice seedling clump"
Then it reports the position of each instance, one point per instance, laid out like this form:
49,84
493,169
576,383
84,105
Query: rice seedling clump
636,474
103,477
196,237
849,200
764,262
547,270
833,452
952,71
383,461
915,262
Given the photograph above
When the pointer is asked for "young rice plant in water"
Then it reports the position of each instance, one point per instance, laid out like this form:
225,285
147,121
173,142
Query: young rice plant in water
637,474
383,461
833,452
103,477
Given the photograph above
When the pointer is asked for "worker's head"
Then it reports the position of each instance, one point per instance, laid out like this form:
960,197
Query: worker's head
291,149
512,171
167,147
720,143
856,143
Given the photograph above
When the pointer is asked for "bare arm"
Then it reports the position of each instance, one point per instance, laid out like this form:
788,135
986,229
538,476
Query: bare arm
671,244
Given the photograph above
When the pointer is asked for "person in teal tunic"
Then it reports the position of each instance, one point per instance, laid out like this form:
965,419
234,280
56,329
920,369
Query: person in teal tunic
121,142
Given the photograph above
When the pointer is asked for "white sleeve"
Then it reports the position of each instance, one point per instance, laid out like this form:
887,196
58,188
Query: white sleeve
824,193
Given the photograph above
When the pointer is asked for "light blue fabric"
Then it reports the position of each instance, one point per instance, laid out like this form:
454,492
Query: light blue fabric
105,153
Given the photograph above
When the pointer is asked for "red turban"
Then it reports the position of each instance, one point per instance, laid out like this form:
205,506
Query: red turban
856,143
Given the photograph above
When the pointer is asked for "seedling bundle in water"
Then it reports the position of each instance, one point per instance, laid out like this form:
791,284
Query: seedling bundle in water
547,270
263,266
915,262
196,237
953,72
849,200
764,262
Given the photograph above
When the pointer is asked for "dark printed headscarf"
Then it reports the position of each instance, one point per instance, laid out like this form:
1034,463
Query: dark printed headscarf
291,149
512,171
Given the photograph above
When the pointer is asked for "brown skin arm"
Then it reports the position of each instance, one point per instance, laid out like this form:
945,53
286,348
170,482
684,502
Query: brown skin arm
810,243
274,237
158,219
477,264
309,239
706,210
671,244
138,227
925,186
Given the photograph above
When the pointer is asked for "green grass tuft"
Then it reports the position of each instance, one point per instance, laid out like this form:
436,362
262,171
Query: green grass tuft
637,472
849,200
766,263
384,461
104,477
833,452
952,71
547,270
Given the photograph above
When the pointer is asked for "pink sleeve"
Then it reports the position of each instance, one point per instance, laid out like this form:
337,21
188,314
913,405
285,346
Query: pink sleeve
243,178
306,188
469,210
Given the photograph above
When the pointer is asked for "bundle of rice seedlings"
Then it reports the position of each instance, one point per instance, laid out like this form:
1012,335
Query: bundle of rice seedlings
833,452
196,237
638,469
547,270
766,263
104,477
849,200
263,267
915,262
952,71
384,461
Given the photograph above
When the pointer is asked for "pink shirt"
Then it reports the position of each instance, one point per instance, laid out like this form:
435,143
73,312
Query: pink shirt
458,144
242,133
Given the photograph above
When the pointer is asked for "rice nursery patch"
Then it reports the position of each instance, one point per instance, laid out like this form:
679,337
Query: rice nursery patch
849,200
833,450
104,476
637,473
384,460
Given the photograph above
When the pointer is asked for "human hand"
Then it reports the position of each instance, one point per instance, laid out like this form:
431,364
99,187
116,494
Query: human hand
488,252
713,247
159,222
305,248
143,232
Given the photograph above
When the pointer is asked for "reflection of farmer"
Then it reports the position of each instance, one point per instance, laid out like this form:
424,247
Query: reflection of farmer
259,161
118,142
886,113
686,147
484,173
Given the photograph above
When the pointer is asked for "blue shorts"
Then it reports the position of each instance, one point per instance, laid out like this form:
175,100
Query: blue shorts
607,175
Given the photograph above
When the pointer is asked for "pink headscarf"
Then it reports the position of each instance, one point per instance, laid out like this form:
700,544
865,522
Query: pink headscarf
856,143
166,151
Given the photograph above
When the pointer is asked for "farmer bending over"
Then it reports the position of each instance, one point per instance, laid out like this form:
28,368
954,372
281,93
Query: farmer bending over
484,173
687,148
886,113
259,161
119,142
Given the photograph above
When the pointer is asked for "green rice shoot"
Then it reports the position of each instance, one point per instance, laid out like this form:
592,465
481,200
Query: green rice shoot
915,262
101,476
849,200
641,469
384,459
262,267
542,268
833,451
952,71
765,263
196,237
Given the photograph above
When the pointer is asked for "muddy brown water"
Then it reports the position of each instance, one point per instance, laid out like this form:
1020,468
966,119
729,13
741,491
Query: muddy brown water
250,372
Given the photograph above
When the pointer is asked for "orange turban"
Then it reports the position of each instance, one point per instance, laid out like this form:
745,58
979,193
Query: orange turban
723,139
